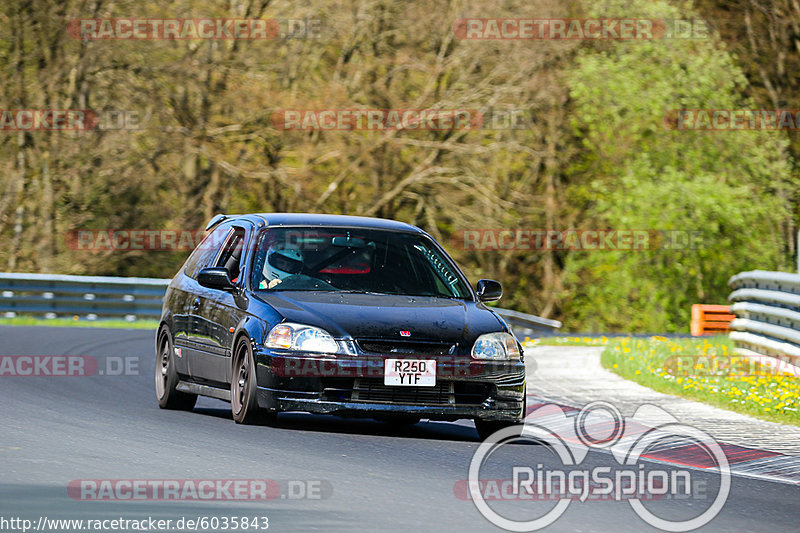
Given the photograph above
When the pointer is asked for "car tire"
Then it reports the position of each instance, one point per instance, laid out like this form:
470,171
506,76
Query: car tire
244,404
166,378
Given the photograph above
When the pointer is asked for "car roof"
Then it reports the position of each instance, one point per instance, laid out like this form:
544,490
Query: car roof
313,219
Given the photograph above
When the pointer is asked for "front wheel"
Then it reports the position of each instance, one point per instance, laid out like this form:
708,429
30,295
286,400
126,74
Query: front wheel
244,404
167,378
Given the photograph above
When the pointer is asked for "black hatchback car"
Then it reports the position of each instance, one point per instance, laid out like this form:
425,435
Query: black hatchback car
334,314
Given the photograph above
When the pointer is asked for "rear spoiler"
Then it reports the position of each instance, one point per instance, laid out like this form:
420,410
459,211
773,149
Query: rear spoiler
218,219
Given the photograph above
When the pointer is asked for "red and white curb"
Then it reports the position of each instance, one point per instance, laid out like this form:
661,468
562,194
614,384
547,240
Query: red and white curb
742,461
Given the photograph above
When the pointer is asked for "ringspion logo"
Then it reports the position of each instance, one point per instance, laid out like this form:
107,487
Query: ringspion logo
633,479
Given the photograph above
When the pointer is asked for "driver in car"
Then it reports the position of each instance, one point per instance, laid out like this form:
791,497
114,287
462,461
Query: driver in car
280,264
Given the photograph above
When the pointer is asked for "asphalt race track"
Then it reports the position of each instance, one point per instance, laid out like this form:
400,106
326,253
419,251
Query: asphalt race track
362,474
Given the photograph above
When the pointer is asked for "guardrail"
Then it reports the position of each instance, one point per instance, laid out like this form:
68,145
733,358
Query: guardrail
527,325
767,309
98,297
90,297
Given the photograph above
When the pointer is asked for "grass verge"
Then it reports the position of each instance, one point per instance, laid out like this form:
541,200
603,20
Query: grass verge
706,369
566,341
80,323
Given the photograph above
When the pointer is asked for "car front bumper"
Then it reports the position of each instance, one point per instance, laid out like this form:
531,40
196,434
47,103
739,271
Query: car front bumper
352,385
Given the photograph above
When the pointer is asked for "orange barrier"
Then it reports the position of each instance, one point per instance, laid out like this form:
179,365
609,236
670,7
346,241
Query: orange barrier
711,319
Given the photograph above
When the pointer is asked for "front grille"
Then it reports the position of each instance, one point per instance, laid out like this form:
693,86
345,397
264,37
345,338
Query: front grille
443,393
401,347
372,390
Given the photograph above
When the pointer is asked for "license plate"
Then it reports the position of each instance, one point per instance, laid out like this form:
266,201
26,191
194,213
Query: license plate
410,372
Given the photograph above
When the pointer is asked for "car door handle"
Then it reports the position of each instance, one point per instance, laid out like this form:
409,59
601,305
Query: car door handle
196,304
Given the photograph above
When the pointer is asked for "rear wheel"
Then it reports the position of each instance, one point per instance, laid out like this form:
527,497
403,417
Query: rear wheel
244,404
167,378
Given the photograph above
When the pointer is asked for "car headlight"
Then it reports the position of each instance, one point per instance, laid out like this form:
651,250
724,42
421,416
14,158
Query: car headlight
496,347
289,336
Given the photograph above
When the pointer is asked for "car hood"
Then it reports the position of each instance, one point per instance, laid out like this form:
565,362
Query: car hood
384,316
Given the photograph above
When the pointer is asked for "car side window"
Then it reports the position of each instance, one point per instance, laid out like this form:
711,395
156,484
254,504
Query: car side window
205,252
230,257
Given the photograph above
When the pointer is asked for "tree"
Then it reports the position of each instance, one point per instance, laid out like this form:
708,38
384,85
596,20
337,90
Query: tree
730,186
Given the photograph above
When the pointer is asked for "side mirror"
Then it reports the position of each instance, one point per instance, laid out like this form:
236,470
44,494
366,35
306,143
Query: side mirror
215,278
489,290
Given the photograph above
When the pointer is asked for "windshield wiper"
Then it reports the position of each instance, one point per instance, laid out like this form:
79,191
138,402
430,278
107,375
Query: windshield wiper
447,296
356,291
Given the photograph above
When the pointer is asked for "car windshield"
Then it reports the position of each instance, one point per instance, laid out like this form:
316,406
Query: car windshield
354,260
